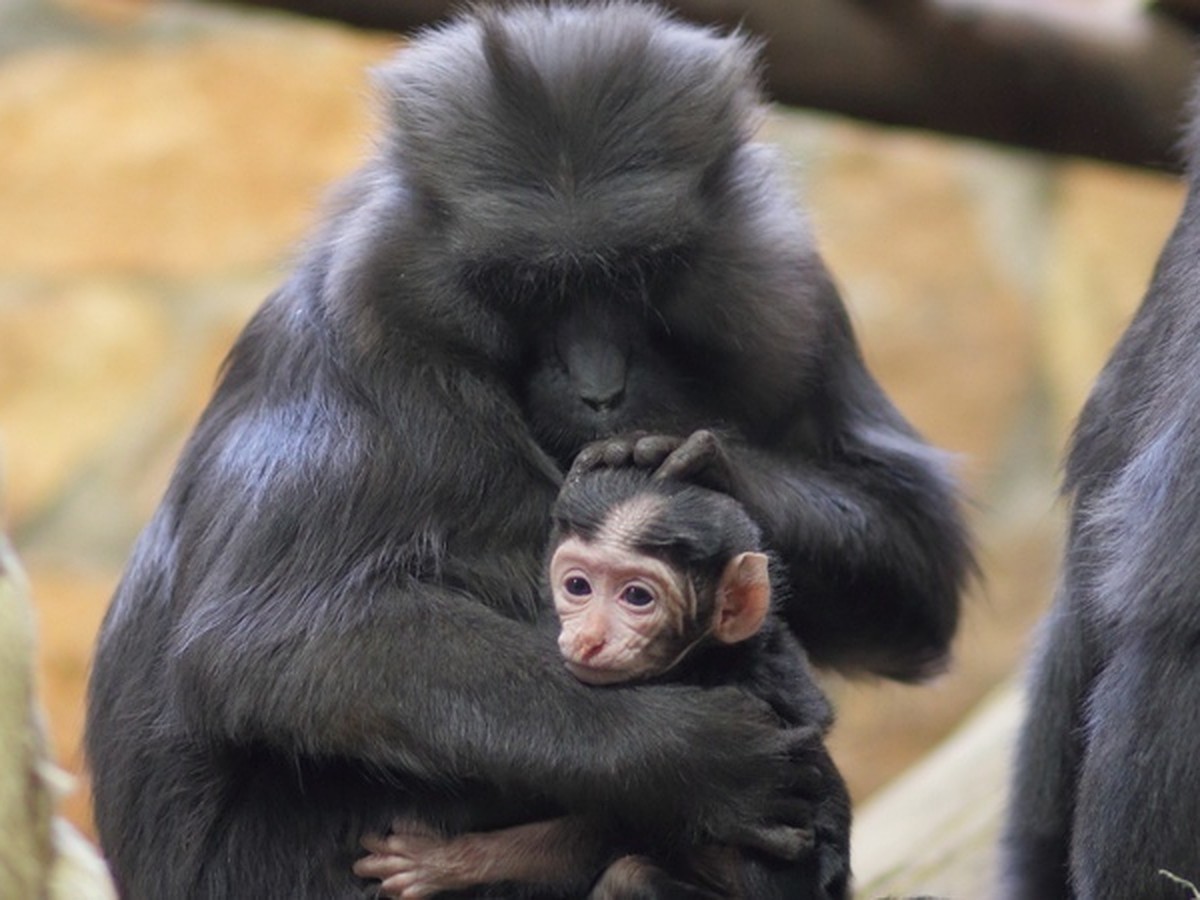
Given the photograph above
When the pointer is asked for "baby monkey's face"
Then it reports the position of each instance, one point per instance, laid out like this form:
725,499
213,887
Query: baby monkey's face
624,614
628,615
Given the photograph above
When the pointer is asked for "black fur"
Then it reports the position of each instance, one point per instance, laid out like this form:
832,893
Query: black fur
566,234
697,532
1106,791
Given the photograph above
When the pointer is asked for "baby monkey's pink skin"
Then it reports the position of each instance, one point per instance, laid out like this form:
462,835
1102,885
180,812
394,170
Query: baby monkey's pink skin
627,615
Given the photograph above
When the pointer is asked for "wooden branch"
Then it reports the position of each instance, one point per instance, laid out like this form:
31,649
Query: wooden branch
40,855
1113,88
933,831
1043,75
380,15
1188,10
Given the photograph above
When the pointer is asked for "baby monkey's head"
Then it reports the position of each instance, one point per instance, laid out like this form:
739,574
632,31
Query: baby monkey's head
642,570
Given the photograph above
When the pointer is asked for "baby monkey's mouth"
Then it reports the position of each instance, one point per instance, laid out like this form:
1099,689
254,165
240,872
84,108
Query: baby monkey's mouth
592,674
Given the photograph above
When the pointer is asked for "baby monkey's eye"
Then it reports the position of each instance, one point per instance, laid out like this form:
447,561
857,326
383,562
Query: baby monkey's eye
636,595
577,586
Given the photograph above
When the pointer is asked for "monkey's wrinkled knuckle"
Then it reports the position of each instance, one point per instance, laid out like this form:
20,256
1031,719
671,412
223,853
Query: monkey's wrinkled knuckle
616,453
589,457
788,843
784,842
650,450
802,738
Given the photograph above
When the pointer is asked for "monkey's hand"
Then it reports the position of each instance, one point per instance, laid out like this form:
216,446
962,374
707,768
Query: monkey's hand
637,448
415,862
703,460
819,798
790,821
700,458
753,782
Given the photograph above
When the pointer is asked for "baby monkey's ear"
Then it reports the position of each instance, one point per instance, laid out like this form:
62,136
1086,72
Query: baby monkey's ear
743,598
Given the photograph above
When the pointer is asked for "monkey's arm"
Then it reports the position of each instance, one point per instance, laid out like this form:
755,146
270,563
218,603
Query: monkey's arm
448,691
870,530
414,861
875,549
327,583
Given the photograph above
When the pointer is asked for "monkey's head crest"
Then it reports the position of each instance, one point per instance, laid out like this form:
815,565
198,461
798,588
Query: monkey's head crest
546,130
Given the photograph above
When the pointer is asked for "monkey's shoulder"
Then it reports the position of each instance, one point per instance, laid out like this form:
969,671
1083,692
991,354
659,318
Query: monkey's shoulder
771,665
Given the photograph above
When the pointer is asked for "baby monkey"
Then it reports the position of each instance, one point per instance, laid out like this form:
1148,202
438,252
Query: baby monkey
653,579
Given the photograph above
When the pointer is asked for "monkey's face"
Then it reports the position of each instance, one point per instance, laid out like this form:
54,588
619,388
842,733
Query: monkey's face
607,366
620,610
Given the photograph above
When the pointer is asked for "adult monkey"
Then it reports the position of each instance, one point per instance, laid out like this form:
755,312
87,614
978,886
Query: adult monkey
1105,798
567,237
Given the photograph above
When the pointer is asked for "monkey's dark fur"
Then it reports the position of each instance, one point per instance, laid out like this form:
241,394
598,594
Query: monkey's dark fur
1106,790
697,532
566,235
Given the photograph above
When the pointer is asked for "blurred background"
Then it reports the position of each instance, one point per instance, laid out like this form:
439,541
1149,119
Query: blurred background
160,161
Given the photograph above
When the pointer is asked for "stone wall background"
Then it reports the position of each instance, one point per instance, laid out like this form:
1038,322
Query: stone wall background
159,162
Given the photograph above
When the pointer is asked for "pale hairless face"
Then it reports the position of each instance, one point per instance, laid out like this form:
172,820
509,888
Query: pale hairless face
620,612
